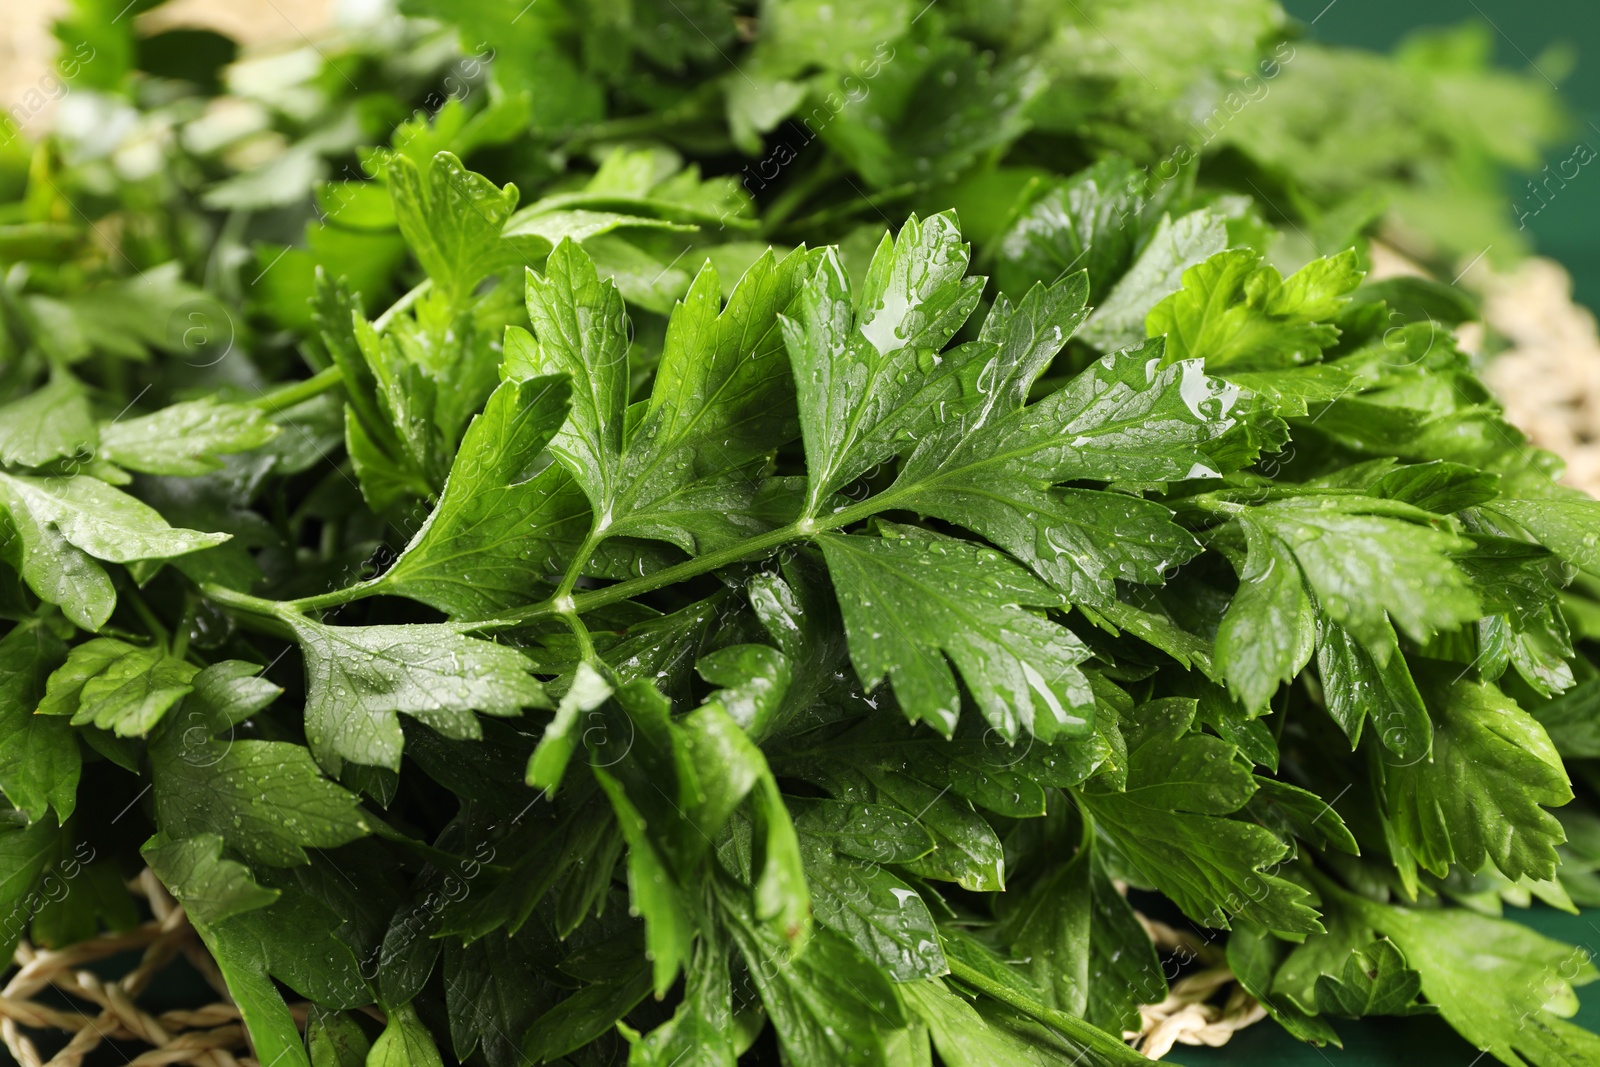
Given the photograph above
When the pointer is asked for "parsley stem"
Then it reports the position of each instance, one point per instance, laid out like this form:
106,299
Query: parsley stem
798,192
331,377
410,297
749,548
579,558
262,616
1217,505
254,605
563,602
581,632
611,594
759,545
334,597
148,617
854,206
180,636
634,125
301,391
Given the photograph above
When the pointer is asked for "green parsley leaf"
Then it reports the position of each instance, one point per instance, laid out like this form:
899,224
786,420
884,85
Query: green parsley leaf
1101,425
1238,314
1494,981
209,887
1363,558
1088,222
359,677
186,438
494,518
224,695
827,1003
453,220
1361,682
549,761
39,758
653,892
904,593
1170,825
493,992
867,368
47,424
1482,795
883,917
1269,630
223,897
1119,320
266,799
116,686
334,1039
1083,946
62,522
405,1042
27,853
1566,524
1256,959
685,469
1375,981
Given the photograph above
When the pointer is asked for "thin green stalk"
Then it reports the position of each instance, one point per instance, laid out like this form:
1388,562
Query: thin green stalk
564,602
232,598
335,597
148,617
749,548
270,615
301,391
180,636
1216,505
581,632
331,377
1283,715
753,547
611,594
579,558
799,191
411,296
632,126
855,206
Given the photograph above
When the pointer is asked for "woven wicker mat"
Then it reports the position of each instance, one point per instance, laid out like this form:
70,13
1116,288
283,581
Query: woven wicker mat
208,1035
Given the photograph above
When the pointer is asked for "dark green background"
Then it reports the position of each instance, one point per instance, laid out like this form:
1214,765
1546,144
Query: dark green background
1567,230
1413,1042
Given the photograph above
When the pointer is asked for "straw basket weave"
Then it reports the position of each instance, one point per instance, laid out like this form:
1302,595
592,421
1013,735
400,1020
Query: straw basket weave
209,1035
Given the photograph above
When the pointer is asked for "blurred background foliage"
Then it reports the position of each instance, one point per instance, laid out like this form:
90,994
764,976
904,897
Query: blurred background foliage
1559,44
154,104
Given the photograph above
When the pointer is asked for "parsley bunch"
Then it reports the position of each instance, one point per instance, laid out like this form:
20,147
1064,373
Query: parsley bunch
671,620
